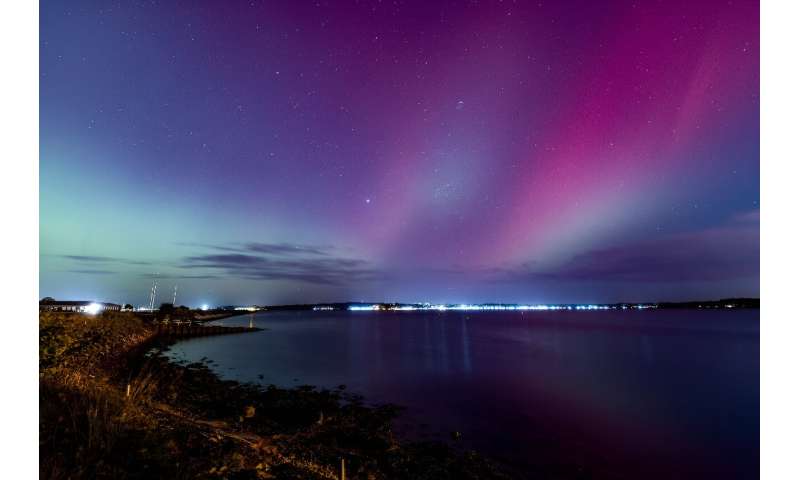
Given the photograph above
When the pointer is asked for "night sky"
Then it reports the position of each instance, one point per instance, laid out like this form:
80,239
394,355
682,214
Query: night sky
282,152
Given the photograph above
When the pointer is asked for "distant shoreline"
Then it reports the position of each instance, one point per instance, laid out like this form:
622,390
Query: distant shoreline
725,303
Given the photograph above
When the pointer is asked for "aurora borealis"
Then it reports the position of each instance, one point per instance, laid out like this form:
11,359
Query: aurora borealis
292,152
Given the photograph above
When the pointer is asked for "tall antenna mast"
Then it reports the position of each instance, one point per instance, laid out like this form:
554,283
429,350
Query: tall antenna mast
153,295
150,299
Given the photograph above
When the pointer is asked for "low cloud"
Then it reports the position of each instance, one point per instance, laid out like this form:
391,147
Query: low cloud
287,249
88,258
282,261
717,254
279,248
93,272
94,259
157,276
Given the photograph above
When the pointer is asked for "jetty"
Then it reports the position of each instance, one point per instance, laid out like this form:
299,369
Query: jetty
174,330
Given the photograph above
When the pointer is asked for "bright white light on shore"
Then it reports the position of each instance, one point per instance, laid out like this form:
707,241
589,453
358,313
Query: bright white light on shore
204,307
361,308
93,308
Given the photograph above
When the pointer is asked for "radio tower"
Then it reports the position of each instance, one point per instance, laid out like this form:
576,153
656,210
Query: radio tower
153,295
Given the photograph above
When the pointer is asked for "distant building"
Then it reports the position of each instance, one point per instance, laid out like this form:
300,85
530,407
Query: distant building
51,305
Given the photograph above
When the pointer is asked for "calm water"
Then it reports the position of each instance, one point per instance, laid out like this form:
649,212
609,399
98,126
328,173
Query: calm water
650,394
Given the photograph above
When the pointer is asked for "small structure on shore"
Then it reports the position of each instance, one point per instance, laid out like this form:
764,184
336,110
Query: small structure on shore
48,304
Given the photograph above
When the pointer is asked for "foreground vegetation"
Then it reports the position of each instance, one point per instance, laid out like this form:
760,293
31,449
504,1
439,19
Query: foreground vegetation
111,406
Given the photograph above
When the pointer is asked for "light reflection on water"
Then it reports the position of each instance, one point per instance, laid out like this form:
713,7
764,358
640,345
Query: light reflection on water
657,393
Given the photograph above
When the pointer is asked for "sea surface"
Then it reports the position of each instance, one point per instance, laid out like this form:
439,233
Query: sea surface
616,394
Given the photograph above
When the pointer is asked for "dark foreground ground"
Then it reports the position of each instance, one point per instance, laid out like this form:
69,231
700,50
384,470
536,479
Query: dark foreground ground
110,406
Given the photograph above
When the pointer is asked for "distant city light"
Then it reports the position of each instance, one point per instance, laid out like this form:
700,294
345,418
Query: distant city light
405,307
93,308
357,308
485,307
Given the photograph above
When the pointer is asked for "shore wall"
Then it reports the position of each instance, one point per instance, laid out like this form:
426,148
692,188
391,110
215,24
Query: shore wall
171,330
